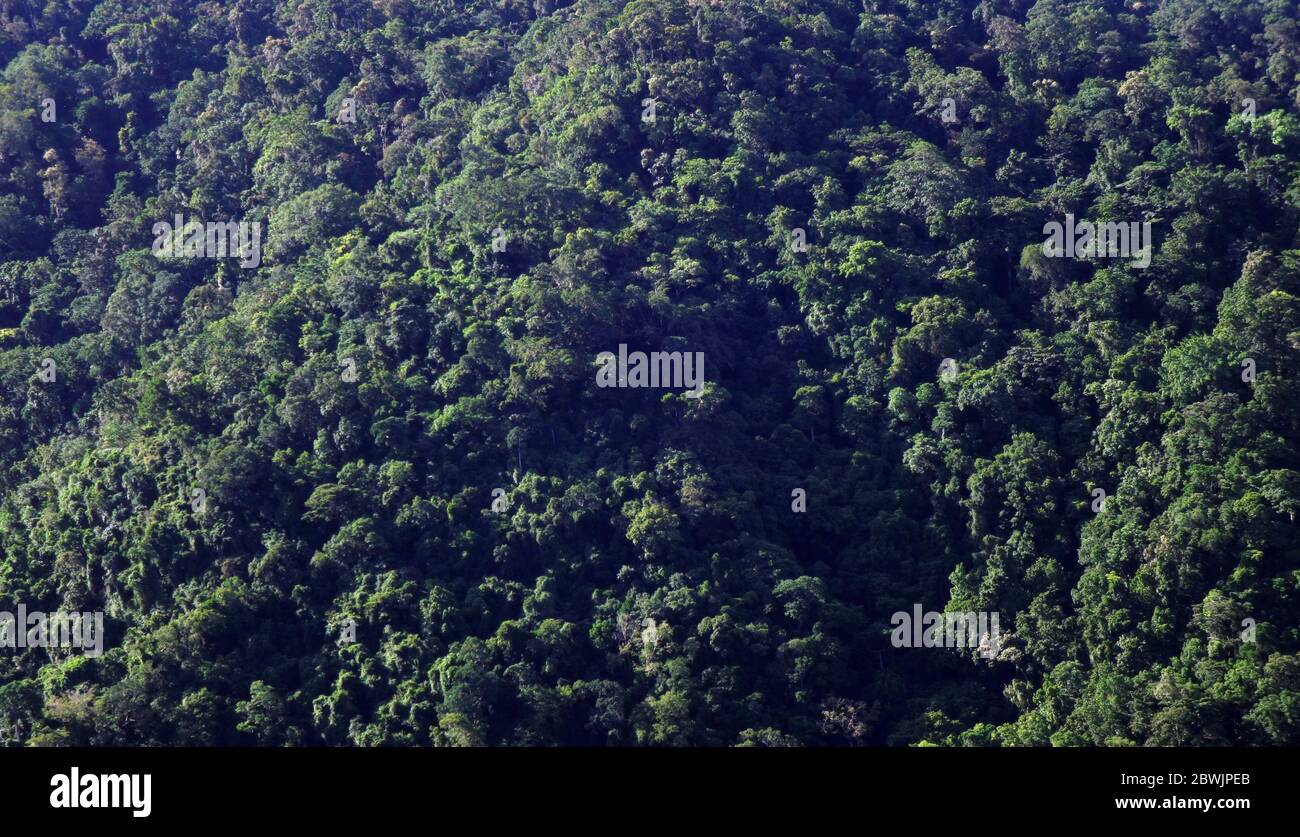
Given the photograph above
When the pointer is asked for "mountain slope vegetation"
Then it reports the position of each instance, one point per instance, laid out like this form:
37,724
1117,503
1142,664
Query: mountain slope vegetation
369,493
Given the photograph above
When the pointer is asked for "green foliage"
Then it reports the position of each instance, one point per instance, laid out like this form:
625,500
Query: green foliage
645,580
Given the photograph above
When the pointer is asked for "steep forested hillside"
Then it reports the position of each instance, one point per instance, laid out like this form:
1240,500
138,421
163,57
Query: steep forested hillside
368,492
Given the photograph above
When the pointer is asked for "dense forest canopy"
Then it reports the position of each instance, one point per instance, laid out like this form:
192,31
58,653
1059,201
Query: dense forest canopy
367,491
